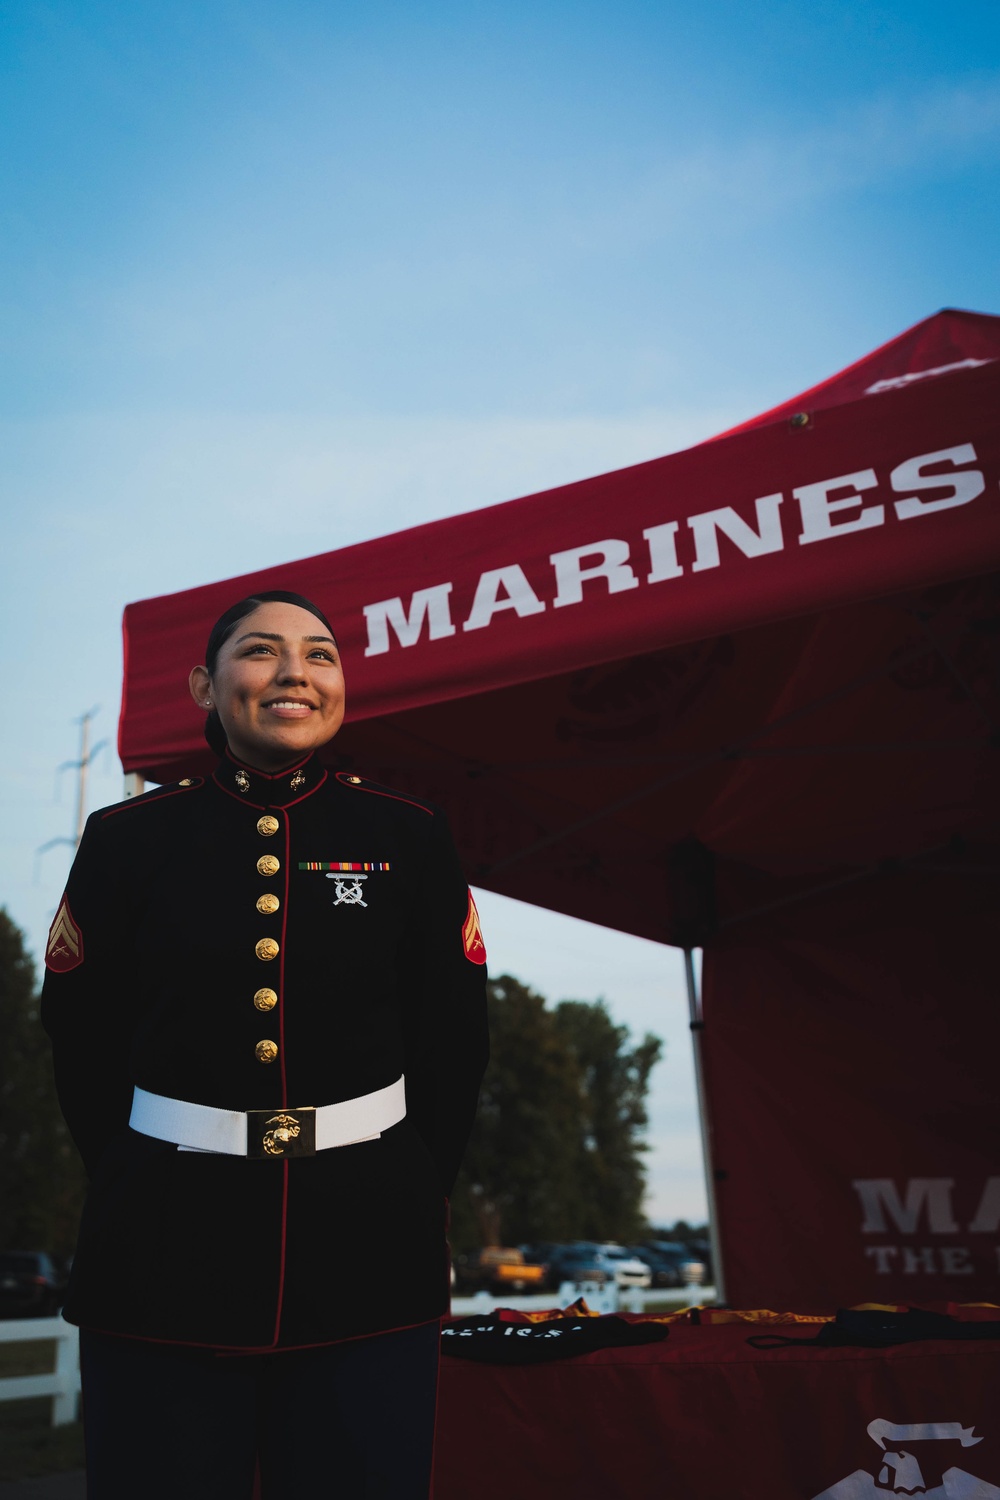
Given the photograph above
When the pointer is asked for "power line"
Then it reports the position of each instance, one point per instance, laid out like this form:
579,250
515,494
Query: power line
81,766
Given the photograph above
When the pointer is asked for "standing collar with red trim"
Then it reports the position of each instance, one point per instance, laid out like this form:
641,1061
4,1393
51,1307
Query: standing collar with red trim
264,789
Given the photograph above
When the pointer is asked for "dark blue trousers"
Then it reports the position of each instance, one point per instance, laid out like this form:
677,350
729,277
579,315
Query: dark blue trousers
353,1421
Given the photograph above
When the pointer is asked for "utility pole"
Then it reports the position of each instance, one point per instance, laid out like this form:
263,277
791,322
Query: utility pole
81,767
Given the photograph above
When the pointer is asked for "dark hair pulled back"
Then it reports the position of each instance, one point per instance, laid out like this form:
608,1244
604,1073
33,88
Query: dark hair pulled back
223,629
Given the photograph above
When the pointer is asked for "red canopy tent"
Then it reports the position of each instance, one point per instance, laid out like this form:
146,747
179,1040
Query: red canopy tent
743,697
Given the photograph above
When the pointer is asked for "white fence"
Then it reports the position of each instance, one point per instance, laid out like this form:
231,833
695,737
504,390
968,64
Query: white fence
601,1299
62,1383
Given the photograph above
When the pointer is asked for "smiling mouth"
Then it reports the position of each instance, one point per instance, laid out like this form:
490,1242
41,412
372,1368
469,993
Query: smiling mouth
288,705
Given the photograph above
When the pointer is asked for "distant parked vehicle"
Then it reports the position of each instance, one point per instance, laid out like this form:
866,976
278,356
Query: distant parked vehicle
669,1260
540,1252
701,1250
498,1270
576,1263
664,1269
665,1262
30,1286
625,1266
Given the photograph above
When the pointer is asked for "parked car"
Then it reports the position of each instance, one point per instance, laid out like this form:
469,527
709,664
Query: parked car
665,1259
694,1250
669,1261
625,1267
30,1286
540,1252
665,1270
498,1270
576,1263
701,1250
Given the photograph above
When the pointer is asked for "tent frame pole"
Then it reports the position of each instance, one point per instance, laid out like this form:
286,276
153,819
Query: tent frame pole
697,1025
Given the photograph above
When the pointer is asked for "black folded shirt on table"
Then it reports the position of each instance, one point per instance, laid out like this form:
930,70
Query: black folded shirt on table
494,1340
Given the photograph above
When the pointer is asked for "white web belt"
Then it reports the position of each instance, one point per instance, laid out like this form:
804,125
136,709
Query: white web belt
264,1133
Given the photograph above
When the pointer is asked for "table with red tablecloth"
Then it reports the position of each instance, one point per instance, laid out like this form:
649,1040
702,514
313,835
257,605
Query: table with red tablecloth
705,1415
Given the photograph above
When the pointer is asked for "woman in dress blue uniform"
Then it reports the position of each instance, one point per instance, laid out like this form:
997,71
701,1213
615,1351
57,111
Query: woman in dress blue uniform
265,992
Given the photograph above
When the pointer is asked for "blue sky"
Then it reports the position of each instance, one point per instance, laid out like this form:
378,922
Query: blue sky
278,278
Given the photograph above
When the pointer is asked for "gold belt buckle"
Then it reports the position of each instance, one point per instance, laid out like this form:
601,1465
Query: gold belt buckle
281,1133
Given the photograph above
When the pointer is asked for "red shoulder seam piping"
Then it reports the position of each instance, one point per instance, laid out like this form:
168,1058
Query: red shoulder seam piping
145,801
393,796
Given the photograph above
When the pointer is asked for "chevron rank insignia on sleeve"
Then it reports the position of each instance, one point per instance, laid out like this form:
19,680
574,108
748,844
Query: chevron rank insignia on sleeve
64,949
472,935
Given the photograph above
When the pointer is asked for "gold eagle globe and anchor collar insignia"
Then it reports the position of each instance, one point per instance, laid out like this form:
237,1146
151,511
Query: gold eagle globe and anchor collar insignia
64,948
295,784
265,791
282,1133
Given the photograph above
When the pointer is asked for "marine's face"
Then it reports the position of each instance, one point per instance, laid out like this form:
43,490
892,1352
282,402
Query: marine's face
278,686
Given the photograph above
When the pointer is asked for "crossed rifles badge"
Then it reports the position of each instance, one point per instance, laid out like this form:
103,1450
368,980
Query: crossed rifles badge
347,890
347,876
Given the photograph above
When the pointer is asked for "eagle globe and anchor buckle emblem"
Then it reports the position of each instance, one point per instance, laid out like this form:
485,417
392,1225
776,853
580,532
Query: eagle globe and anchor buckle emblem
282,1133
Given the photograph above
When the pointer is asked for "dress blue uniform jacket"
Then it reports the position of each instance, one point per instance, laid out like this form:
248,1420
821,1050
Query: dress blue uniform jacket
159,976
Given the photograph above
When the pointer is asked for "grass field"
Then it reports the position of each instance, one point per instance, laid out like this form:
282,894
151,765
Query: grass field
29,1444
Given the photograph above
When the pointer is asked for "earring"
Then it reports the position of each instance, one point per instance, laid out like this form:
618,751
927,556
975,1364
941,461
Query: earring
208,703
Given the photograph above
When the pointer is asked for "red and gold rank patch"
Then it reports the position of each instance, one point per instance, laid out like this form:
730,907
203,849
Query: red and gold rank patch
472,935
64,949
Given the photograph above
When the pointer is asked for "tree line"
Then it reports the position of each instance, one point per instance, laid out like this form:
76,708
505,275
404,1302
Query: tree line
42,1181
557,1150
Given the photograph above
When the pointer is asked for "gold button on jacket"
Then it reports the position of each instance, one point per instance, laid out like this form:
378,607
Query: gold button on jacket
268,864
265,999
267,825
266,949
266,1051
268,903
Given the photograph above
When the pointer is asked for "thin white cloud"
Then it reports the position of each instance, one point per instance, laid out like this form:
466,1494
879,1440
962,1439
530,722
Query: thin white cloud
724,185
256,489
210,276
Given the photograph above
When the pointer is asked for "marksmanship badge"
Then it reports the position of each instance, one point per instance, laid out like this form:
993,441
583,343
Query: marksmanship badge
347,875
347,890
